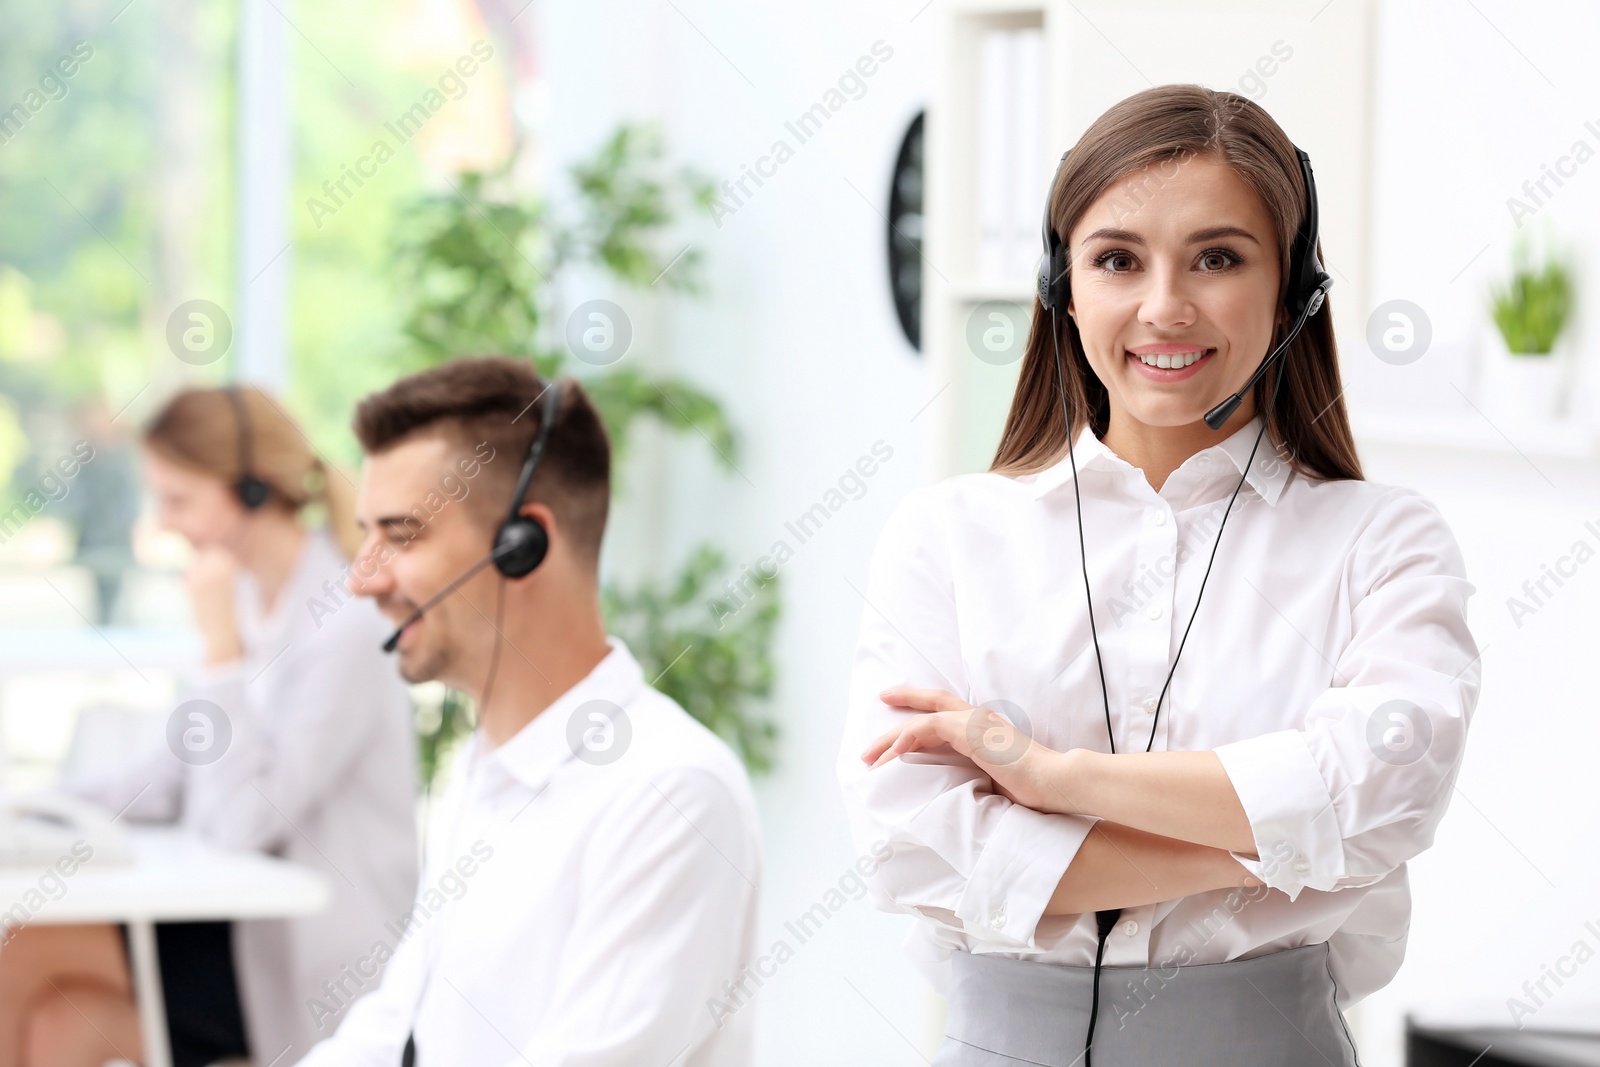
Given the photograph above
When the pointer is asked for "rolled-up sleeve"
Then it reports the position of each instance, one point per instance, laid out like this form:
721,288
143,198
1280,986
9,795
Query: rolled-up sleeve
1361,786
963,856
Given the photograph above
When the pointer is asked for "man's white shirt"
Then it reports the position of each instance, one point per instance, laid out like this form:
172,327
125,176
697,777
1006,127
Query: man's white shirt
590,887
1330,667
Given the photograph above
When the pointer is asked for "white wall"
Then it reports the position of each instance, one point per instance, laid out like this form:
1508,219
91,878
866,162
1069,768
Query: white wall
1469,107
1466,116
799,340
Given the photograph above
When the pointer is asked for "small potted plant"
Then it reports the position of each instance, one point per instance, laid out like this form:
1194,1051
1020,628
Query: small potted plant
1526,358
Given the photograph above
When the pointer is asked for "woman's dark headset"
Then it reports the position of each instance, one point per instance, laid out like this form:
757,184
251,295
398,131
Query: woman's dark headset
1308,282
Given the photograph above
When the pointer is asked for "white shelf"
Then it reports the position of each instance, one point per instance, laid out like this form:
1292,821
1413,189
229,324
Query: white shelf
1470,431
977,290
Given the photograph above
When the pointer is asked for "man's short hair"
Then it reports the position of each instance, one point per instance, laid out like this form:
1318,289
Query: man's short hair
498,401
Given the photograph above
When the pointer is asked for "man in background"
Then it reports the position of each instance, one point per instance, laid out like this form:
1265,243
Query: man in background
592,871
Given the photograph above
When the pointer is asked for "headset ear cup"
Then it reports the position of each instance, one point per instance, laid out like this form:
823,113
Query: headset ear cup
1061,285
1052,282
1308,282
252,492
520,546
1052,265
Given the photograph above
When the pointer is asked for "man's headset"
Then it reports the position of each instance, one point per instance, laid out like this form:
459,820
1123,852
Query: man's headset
521,541
252,491
1308,286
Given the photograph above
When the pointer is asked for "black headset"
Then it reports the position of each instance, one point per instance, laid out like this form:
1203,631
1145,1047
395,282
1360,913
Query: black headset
1308,286
251,490
521,541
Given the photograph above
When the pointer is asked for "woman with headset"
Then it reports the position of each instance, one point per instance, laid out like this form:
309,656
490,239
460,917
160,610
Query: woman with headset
1114,860
294,738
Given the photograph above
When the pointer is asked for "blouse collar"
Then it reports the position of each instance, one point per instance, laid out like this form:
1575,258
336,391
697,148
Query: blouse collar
1269,471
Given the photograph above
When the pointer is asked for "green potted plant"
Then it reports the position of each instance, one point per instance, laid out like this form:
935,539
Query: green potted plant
488,270
1527,357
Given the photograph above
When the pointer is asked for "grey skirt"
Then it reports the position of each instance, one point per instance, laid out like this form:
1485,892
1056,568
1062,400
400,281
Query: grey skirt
1275,1010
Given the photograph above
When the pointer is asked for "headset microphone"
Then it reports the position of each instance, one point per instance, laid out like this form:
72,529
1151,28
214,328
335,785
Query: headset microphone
521,542
1224,411
394,638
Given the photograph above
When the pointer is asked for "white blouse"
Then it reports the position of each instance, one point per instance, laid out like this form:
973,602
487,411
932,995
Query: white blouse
1330,668
316,763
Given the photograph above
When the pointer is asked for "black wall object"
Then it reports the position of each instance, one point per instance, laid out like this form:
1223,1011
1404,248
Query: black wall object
905,233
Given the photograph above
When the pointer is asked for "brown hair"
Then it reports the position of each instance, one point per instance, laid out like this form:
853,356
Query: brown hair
1157,127
200,429
497,400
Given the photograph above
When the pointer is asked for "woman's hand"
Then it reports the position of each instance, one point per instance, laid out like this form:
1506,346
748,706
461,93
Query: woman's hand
1023,770
210,580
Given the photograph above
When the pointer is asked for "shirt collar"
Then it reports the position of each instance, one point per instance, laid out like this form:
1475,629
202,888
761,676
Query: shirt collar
1269,471
533,753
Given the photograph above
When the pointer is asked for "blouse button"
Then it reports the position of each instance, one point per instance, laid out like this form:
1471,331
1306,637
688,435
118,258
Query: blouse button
1302,867
1130,928
1154,611
1149,705
1158,517
998,919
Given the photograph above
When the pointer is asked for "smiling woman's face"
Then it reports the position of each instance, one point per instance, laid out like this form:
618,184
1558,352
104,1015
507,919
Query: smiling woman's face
1188,280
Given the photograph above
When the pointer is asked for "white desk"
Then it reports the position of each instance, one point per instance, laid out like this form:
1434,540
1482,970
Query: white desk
174,877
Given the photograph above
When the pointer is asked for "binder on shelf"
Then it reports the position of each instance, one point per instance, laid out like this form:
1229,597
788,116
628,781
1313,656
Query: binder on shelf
1011,152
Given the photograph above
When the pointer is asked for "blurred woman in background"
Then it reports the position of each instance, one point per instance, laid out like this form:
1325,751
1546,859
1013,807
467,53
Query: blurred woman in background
293,738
